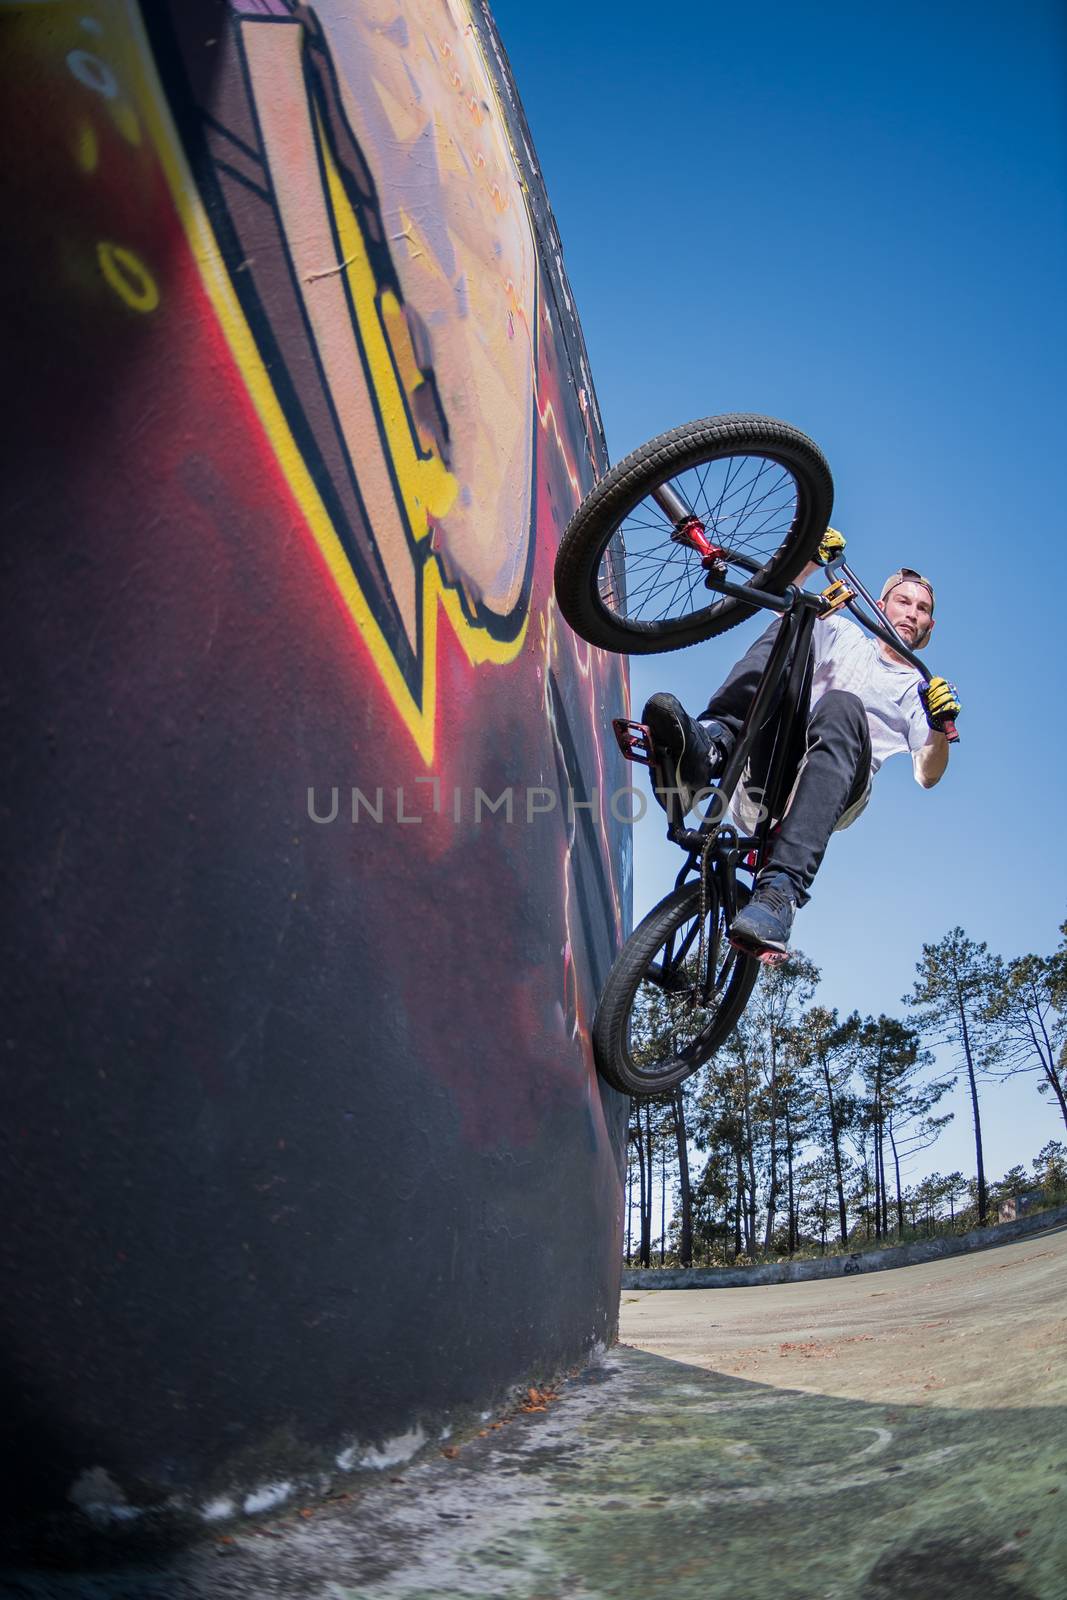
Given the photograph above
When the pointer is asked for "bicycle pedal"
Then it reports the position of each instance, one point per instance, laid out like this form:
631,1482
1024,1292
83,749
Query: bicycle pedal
774,958
769,958
634,739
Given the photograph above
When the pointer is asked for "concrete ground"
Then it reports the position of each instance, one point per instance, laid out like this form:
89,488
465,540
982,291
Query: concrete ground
898,1437
988,1330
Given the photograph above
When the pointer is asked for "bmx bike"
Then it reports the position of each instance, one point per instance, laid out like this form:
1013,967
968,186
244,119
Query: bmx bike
682,540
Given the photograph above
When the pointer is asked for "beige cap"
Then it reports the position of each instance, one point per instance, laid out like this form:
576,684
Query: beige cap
907,575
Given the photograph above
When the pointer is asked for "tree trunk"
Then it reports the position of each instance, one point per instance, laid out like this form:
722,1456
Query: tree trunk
646,1225
662,1203
685,1193
835,1141
643,1248
880,1197
772,1190
750,1209
877,1129
793,1229
1057,1089
896,1169
629,1207
885,1199
640,1192
983,1193
1043,1047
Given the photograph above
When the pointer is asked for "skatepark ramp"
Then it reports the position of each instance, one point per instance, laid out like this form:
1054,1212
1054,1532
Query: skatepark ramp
897,1438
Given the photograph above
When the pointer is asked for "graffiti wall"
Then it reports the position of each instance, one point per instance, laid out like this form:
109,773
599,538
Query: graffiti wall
316,868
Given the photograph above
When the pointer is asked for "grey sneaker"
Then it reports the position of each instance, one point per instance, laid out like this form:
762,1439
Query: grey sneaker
687,753
764,926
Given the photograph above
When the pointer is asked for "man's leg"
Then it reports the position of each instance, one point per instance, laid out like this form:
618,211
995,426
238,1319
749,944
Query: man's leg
729,704
689,750
834,775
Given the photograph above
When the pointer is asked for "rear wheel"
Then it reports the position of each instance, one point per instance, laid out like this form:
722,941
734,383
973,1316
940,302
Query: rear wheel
660,1018
760,489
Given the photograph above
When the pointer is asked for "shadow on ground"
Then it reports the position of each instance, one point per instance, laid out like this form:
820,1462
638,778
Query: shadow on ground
650,1476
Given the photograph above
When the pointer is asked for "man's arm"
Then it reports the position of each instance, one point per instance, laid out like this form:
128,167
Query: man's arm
940,701
930,762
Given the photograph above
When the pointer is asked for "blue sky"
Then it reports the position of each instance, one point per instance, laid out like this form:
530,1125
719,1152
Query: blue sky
854,218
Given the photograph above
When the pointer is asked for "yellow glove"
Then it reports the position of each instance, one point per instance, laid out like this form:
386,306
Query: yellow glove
832,546
940,702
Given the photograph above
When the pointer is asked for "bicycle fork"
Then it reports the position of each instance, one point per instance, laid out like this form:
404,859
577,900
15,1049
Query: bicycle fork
686,526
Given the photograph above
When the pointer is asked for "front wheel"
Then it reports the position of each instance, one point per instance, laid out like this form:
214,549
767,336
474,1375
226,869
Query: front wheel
760,489
659,1018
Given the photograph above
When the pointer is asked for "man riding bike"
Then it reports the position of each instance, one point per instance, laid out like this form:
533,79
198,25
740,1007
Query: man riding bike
864,704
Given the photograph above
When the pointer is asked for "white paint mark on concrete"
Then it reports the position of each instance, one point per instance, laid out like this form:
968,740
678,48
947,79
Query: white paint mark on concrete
393,1453
100,1498
218,1510
882,1439
271,1494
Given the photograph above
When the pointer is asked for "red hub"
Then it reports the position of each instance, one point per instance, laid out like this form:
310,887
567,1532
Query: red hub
692,533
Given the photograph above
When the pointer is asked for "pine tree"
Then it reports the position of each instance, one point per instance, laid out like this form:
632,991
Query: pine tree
824,1046
899,1105
1027,1028
728,1125
770,1024
951,994
1050,1168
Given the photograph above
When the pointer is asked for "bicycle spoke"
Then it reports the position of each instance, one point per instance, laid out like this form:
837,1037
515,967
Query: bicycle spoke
745,503
669,608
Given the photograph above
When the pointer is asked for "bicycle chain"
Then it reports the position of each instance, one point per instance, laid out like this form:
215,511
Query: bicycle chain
702,944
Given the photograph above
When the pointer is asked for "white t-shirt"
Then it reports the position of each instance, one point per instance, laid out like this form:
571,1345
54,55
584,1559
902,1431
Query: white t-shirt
845,656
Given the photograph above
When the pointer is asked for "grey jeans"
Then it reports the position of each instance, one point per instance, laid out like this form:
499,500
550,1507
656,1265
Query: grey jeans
835,769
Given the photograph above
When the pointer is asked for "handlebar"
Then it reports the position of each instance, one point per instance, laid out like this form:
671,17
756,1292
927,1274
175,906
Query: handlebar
884,630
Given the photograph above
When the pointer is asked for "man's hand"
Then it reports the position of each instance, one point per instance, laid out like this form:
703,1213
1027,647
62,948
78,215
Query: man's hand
940,702
832,546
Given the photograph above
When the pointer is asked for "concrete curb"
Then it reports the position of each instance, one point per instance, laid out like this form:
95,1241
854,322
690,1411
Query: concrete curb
842,1266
